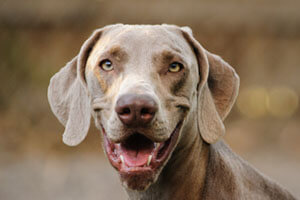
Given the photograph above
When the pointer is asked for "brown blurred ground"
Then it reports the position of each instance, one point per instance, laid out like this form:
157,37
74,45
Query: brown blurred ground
261,39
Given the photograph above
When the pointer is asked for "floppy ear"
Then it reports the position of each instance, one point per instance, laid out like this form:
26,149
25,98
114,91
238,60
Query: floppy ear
68,95
217,91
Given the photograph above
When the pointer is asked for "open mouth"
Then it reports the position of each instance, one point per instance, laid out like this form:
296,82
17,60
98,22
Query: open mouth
138,154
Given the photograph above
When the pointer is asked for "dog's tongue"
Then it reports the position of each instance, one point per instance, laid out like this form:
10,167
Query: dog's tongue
136,157
136,150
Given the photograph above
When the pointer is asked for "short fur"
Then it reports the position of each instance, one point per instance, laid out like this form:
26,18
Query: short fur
201,166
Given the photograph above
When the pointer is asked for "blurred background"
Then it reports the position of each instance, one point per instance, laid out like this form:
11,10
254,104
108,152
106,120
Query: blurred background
260,39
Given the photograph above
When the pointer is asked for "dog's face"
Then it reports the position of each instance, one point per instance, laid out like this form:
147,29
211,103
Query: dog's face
142,85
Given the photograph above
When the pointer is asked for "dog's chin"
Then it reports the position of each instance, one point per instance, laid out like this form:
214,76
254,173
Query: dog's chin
138,159
138,180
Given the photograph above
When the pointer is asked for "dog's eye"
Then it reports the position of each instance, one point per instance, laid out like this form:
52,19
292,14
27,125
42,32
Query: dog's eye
175,67
106,65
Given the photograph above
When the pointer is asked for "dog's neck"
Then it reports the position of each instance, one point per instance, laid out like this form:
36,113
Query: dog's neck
183,176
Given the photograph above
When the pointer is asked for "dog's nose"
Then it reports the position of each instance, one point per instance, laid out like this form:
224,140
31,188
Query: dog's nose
136,110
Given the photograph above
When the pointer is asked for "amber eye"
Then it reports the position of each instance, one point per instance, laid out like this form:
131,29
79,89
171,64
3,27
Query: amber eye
106,65
175,67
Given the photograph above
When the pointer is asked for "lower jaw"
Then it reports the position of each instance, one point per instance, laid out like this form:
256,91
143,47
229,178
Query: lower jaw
139,180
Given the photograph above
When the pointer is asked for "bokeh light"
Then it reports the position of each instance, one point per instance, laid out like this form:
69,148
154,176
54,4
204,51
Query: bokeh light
252,102
282,102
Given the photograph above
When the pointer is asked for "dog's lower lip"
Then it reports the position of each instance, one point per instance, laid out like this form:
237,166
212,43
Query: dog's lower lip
148,158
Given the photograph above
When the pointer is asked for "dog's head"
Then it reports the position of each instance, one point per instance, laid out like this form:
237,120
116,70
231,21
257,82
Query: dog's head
145,86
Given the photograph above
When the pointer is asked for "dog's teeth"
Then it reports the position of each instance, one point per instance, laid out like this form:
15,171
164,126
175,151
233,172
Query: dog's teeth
122,158
156,144
149,160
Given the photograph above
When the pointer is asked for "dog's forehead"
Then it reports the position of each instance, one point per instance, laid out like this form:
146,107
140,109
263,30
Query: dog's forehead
147,37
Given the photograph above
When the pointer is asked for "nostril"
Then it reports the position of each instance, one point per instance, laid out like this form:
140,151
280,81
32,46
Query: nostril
146,114
145,111
97,110
125,111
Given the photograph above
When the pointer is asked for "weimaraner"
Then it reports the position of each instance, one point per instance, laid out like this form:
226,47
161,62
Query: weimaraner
159,100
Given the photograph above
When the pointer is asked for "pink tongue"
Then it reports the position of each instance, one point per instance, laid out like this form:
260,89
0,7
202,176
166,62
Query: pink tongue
135,158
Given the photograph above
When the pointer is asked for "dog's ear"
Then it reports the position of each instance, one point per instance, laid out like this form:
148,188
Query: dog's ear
223,83
217,90
68,95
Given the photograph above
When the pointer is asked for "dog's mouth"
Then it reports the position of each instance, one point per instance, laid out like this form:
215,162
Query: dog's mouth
138,154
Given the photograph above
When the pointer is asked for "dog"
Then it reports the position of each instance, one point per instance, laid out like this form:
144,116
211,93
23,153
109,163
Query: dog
159,100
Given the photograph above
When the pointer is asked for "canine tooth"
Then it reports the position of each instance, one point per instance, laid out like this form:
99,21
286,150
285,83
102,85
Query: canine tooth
149,160
122,158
